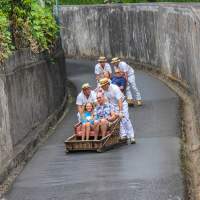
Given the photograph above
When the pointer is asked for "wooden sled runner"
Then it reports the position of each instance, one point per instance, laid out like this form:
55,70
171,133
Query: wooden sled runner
112,138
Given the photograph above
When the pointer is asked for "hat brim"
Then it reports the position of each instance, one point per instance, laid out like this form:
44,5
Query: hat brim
112,62
86,88
106,83
102,60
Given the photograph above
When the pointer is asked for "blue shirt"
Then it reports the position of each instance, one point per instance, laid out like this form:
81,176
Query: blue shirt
87,117
103,111
119,81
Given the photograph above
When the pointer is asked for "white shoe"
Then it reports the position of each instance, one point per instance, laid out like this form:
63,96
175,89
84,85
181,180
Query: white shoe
132,140
138,102
123,137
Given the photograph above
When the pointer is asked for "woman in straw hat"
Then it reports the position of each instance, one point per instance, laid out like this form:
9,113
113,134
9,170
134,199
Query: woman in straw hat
101,67
117,99
130,77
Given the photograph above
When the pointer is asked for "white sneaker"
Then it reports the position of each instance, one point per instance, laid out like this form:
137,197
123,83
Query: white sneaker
132,140
123,137
139,103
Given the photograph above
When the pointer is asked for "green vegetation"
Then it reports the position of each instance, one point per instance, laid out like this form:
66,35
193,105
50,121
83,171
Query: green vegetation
43,28
5,37
25,24
76,2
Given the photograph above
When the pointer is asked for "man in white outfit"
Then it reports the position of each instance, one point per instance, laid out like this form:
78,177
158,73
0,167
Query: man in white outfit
101,67
85,96
130,77
117,99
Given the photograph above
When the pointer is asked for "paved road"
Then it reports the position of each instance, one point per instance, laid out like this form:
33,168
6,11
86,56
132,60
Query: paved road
149,170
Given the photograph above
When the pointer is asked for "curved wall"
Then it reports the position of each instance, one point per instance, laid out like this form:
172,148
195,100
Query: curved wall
32,96
164,36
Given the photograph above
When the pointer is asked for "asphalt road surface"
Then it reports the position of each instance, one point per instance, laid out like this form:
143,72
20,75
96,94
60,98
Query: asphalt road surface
148,170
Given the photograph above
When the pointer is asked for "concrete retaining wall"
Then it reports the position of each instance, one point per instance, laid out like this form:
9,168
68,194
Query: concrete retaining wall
32,91
164,37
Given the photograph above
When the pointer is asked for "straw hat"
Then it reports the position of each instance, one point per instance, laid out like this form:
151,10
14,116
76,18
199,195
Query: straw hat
85,86
102,59
115,60
104,81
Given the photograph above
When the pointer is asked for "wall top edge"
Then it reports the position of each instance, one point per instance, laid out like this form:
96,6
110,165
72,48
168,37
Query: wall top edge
162,4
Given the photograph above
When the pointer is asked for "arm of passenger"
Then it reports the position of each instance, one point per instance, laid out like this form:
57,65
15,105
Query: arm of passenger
95,115
120,102
112,116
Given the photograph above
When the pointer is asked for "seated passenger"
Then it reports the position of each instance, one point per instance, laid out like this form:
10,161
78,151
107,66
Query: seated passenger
119,80
104,113
88,122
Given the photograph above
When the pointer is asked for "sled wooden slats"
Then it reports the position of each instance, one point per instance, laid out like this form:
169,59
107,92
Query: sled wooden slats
74,143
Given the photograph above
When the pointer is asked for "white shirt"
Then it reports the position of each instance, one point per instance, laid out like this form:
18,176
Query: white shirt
124,67
82,99
113,94
100,70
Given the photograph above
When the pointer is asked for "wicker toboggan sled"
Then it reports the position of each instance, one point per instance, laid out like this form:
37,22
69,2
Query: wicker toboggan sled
112,138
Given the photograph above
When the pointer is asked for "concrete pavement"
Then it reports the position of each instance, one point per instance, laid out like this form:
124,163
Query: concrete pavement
148,170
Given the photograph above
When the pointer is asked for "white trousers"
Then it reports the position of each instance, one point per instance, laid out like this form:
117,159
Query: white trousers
132,85
126,127
78,117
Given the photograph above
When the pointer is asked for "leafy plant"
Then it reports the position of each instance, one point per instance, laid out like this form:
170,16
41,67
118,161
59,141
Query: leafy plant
50,3
5,6
5,37
43,27
26,23
76,2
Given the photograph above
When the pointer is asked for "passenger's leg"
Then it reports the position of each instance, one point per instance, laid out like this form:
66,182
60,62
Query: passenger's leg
87,125
83,131
104,125
96,129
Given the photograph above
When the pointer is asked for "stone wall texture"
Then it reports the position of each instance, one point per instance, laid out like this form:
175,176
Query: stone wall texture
32,88
164,36
167,36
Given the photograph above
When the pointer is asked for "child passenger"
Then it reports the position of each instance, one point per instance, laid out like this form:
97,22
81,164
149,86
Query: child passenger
119,80
88,122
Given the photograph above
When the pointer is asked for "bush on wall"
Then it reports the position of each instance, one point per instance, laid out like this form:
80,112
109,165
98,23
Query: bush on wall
25,24
76,2
5,37
43,27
